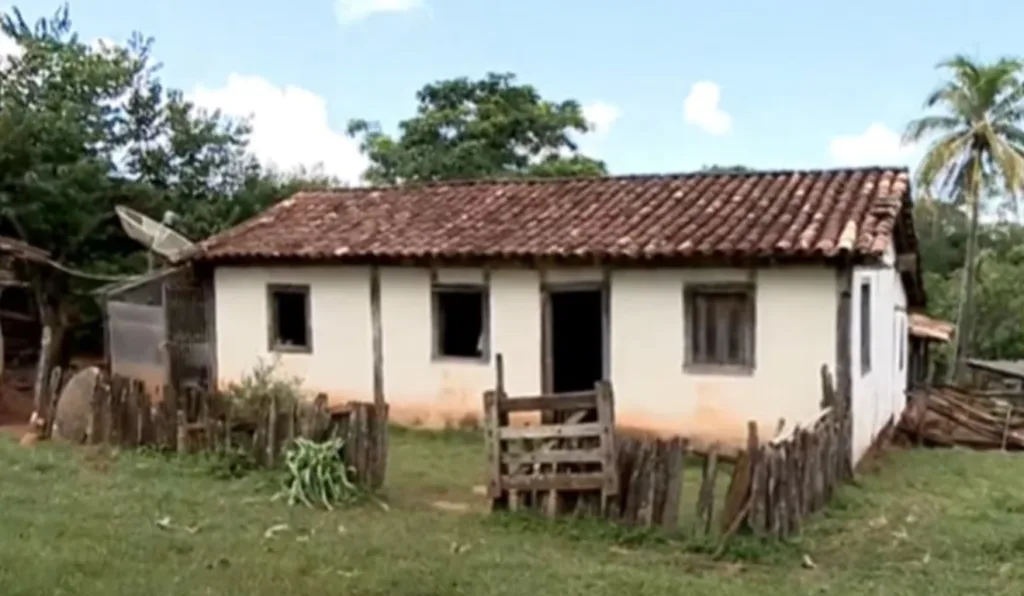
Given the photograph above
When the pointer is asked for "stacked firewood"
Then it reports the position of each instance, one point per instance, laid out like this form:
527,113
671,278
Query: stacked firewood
952,416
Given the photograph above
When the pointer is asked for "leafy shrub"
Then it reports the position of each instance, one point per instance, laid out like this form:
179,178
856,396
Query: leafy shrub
255,391
316,474
235,462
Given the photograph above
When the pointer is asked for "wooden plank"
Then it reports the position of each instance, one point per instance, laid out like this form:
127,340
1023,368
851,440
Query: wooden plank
660,485
492,444
553,481
637,479
674,467
759,492
706,498
554,456
182,446
560,402
272,430
645,513
94,427
606,418
551,431
738,493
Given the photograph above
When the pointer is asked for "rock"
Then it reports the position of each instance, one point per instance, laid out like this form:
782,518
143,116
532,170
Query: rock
72,417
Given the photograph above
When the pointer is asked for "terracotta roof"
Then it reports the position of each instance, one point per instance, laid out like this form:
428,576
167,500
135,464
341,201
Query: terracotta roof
777,214
925,327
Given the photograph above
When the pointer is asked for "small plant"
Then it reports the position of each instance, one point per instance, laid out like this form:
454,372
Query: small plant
257,388
317,474
235,462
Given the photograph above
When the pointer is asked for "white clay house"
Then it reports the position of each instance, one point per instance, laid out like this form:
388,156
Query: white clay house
706,299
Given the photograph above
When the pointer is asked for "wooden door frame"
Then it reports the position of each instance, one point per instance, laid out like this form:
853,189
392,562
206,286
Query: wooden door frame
603,288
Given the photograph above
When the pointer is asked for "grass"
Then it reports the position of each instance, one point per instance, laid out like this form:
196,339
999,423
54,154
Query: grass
77,521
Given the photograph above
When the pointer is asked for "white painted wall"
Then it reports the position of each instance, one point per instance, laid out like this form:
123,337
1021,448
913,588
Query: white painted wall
341,363
795,334
423,391
879,394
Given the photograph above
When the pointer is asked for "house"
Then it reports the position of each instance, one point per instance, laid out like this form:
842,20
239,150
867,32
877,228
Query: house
707,299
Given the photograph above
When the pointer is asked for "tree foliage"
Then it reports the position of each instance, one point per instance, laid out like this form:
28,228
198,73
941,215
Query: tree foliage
998,329
465,129
85,127
976,150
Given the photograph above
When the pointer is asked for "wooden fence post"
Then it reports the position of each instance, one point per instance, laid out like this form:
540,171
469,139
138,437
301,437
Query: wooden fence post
272,430
706,497
493,444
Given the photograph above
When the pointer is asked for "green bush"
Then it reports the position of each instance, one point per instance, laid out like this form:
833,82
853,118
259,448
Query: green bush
316,474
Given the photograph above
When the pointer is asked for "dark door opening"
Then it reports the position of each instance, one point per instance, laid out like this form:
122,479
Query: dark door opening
576,340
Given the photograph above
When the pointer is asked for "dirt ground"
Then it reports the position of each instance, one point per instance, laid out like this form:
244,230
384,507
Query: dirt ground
16,399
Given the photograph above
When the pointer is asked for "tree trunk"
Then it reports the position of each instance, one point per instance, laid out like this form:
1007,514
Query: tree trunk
964,315
51,347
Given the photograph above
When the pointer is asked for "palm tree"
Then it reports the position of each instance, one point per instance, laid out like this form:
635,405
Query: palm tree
978,145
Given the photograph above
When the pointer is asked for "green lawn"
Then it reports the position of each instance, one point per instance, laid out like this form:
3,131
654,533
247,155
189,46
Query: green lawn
78,522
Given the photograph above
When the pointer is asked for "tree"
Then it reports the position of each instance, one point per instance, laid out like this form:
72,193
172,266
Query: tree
84,128
717,169
474,129
978,146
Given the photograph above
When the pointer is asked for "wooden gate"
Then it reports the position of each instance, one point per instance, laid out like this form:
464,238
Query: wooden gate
554,468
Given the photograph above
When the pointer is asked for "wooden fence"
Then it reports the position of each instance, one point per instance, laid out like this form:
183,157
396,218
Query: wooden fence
794,475
122,413
575,462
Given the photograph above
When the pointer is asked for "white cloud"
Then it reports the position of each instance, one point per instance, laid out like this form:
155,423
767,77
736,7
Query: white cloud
701,108
290,128
350,11
601,116
877,145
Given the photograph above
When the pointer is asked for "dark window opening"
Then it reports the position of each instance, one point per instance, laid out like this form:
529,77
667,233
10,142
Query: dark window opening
577,340
720,326
865,327
289,319
460,322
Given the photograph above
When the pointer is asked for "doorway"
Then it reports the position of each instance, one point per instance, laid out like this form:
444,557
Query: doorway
575,347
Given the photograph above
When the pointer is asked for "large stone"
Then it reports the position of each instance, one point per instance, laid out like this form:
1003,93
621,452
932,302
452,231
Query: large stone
72,418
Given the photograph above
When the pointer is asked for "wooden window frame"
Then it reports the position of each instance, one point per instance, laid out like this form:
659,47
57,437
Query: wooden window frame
435,332
865,325
273,345
690,294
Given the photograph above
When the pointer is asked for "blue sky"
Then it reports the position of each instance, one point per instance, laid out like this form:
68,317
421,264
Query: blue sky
671,85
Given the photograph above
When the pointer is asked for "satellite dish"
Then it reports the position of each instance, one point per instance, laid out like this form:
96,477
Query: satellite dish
154,235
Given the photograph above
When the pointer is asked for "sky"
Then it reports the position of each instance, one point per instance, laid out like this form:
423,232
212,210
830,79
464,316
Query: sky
668,86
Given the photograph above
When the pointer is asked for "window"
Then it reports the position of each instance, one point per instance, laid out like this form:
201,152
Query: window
865,327
460,322
288,314
720,327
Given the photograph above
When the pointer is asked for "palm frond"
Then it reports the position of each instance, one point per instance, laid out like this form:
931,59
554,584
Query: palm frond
942,161
1010,108
928,125
955,97
1008,161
